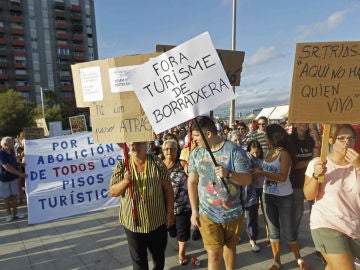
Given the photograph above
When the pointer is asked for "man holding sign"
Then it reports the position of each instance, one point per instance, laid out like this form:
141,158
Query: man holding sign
216,208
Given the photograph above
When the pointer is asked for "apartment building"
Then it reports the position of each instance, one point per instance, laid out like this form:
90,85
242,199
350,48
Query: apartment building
39,40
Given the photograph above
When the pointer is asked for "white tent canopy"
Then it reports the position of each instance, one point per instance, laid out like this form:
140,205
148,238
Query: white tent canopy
265,112
278,112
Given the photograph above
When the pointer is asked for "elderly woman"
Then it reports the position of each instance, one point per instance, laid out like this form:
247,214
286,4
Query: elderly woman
8,178
151,198
182,209
335,215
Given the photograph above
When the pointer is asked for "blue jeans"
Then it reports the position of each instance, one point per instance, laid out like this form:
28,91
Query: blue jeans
280,210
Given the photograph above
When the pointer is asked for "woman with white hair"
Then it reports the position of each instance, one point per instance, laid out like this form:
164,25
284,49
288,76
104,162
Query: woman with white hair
8,178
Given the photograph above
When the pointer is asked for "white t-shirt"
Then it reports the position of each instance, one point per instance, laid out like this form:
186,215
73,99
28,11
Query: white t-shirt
337,205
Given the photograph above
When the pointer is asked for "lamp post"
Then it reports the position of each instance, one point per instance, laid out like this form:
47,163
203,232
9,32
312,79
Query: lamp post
232,105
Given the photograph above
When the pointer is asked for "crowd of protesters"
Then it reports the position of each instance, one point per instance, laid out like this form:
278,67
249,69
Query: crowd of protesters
233,170
221,174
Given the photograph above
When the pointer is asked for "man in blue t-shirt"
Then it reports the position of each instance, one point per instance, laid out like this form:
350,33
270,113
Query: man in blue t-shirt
8,178
216,207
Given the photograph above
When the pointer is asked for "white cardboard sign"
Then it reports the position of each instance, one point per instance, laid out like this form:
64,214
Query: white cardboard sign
186,81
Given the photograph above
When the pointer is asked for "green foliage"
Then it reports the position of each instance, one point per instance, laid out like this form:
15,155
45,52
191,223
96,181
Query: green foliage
14,113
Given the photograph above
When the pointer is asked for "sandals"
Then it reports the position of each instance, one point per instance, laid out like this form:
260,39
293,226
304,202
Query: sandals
302,264
183,261
275,266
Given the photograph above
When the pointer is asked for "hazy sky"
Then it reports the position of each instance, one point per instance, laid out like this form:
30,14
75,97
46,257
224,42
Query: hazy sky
267,31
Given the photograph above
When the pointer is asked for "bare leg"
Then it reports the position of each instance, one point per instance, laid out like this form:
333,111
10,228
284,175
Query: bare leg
182,258
7,205
275,247
214,259
13,204
343,261
229,255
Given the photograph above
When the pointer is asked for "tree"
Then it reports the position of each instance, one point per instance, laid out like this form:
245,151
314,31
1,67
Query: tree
14,113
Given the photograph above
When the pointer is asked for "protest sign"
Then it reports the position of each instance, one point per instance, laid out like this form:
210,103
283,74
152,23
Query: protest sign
77,123
103,80
55,128
124,121
231,60
181,83
41,123
68,175
32,133
117,116
326,83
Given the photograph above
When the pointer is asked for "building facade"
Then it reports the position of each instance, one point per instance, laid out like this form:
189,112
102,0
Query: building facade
40,40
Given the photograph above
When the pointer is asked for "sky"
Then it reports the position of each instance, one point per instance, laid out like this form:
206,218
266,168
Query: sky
267,31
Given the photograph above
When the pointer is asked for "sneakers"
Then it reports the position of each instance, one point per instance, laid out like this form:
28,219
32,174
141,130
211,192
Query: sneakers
254,246
19,216
357,262
9,218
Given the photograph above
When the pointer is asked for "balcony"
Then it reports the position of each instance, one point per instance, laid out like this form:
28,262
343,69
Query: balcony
1,29
79,48
66,88
14,6
3,52
17,31
4,76
75,8
79,58
64,56
78,37
20,65
18,42
76,17
17,53
4,64
2,41
21,77
61,25
59,4
62,36
65,78
23,88
16,19
60,14
68,99
64,66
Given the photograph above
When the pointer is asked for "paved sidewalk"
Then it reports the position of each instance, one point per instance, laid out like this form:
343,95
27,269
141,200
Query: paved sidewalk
97,241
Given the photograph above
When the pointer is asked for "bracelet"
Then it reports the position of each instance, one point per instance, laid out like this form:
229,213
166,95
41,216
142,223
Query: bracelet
315,177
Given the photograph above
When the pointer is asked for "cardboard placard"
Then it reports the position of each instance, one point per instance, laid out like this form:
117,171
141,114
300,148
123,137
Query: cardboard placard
120,121
232,62
115,112
326,83
182,83
33,133
77,123
41,123
102,80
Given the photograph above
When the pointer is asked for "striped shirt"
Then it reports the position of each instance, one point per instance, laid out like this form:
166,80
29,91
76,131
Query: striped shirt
151,213
260,137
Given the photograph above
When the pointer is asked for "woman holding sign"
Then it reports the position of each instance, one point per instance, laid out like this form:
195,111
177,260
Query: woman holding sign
146,205
335,216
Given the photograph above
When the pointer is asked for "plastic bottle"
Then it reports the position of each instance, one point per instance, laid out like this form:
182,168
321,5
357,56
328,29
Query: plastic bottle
195,261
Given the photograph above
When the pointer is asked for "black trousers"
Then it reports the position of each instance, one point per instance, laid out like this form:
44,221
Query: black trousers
155,241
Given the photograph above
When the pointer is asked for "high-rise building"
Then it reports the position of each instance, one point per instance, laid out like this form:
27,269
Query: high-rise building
39,40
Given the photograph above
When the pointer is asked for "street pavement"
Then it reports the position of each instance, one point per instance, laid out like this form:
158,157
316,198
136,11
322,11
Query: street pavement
97,241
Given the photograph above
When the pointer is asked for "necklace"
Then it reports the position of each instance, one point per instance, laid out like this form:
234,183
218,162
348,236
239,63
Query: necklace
140,182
